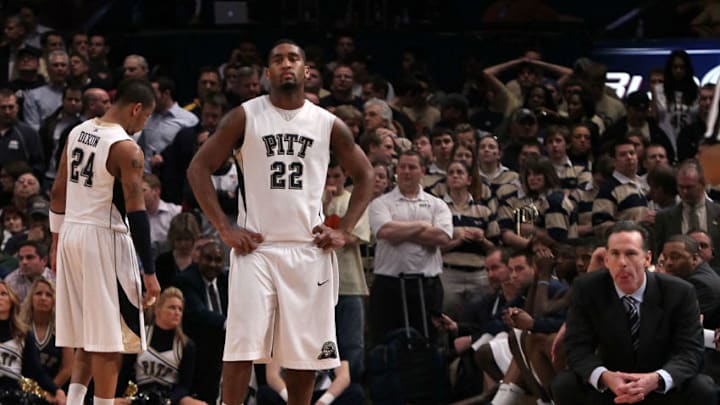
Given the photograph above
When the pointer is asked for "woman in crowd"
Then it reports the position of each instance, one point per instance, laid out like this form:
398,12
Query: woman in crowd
383,178
573,178
38,311
474,233
18,344
182,234
581,110
167,368
463,153
492,172
602,171
676,99
541,210
13,222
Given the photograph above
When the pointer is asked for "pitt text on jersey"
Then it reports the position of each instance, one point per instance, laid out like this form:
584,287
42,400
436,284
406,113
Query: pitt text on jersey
284,144
286,175
88,139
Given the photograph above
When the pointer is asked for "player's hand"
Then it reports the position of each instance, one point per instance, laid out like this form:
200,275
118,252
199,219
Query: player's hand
242,240
327,238
152,290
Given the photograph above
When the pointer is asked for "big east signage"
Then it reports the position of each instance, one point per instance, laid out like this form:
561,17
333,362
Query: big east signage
629,63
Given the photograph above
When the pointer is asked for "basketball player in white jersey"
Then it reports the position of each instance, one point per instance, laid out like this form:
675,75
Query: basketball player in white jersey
283,273
100,227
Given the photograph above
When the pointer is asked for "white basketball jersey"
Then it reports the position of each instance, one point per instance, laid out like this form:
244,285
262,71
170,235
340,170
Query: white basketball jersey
284,166
93,195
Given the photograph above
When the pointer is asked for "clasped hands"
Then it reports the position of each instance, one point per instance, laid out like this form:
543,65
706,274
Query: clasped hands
629,388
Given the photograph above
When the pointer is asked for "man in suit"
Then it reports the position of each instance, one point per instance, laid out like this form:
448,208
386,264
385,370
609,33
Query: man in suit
682,259
705,244
205,287
695,211
632,336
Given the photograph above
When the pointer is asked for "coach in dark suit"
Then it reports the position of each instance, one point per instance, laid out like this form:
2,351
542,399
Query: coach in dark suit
695,211
205,287
632,336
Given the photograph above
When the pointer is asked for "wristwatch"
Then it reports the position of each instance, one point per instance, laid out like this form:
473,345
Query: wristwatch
661,383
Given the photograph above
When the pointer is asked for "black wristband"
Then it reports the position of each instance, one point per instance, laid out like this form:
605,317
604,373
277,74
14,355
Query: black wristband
140,233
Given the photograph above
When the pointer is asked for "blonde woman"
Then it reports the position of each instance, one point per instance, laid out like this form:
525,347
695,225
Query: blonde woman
17,347
38,312
167,368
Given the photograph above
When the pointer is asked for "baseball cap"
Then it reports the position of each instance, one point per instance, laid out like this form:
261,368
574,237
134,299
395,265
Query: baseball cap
39,207
638,100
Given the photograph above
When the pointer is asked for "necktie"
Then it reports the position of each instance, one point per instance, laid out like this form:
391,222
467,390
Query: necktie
693,220
633,318
214,299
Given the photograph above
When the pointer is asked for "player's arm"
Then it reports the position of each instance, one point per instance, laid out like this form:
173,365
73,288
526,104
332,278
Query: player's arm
58,195
213,153
357,165
126,162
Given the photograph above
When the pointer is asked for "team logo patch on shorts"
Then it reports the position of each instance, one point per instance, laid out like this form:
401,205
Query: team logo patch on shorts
328,351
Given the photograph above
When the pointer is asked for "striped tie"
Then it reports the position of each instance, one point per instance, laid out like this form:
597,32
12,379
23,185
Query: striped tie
633,318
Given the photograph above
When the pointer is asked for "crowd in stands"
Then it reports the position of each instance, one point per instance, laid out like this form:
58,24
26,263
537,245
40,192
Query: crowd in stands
497,195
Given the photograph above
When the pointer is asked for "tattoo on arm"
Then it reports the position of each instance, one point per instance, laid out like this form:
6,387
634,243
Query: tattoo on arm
137,163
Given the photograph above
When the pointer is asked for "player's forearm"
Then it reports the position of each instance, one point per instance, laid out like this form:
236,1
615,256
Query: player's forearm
198,176
359,200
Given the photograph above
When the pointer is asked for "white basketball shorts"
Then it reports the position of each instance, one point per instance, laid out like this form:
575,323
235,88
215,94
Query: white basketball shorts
99,295
282,306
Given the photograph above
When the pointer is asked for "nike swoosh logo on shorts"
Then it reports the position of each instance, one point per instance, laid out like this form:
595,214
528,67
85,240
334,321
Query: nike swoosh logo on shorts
319,283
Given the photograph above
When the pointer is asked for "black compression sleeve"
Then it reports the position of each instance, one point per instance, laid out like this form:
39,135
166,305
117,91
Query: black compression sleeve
140,232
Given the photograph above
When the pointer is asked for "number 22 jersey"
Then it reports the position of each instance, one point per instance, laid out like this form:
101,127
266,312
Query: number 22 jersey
285,155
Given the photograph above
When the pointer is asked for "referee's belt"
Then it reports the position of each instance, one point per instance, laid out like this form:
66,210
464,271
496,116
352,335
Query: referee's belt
466,269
